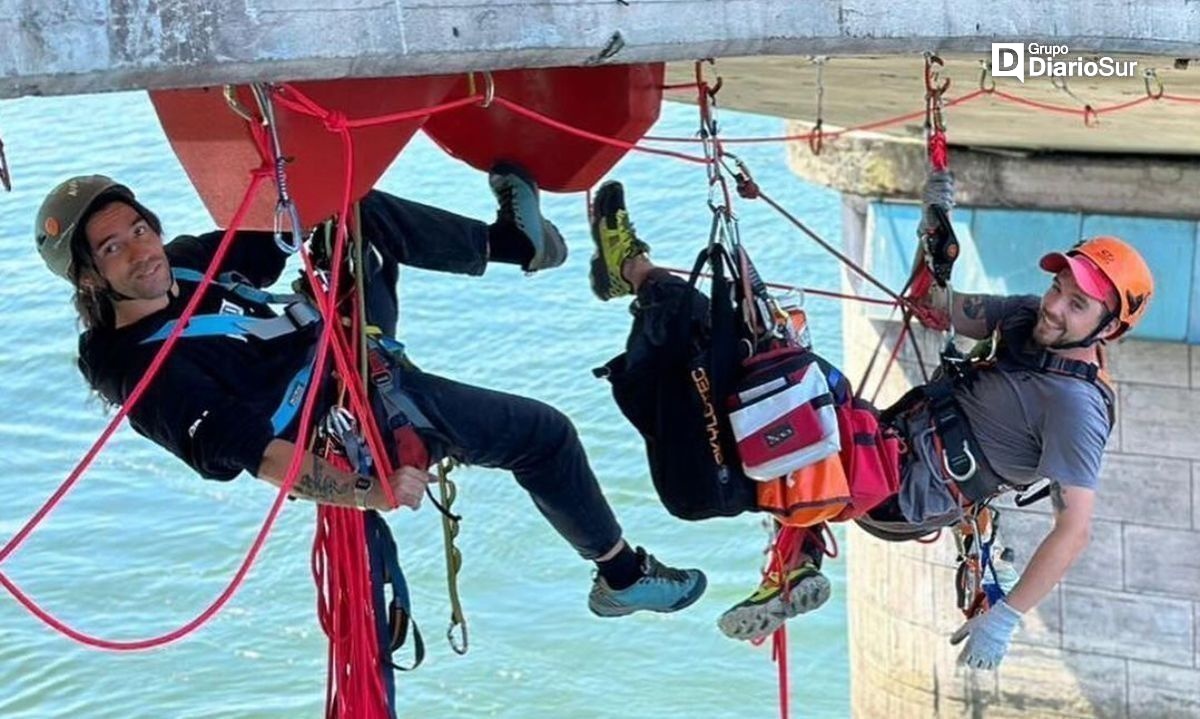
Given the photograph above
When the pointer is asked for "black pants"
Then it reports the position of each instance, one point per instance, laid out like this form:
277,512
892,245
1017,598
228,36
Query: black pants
533,440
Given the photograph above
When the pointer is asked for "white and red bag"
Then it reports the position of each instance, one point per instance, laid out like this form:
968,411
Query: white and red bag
782,414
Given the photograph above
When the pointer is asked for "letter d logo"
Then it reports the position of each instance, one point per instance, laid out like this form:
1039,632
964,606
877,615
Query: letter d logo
1008,60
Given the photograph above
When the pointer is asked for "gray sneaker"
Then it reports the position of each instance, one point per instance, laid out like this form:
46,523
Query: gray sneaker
517,194
774,602
661,589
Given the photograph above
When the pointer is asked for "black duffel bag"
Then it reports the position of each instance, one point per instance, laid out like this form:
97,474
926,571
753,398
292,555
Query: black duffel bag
681,360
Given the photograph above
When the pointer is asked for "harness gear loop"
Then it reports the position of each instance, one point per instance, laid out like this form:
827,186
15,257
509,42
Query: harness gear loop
987,82
5,175
816,138
284,206
450,526
1151,74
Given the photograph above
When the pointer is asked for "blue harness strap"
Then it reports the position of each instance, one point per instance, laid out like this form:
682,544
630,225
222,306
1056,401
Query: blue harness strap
392,619
297,315
236,283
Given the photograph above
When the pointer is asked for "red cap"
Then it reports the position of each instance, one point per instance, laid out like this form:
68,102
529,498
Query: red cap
1088,276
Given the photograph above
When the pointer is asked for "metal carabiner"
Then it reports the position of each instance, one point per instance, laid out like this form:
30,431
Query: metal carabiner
288,207
985,75
960,478
1151,74
231,99
933,67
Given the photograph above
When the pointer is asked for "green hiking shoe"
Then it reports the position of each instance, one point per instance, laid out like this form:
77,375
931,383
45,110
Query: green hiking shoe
774,602
615,240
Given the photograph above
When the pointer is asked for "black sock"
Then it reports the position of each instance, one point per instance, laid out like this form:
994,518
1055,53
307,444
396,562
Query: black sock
622,570
506,243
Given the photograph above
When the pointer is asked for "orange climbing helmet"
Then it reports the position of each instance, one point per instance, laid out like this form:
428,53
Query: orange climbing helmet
1103,265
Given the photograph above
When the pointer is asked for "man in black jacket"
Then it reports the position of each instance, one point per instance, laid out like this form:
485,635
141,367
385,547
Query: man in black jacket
224,401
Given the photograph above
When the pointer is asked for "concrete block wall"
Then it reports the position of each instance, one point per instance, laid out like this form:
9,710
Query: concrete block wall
1120,637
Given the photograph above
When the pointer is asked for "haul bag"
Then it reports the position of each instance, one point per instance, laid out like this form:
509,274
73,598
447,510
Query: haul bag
692,458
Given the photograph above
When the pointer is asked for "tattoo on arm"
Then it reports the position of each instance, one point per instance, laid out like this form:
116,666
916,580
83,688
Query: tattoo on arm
322,485
973,308
1057,498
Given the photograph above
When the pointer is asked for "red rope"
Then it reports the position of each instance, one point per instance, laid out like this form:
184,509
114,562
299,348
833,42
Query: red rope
796,288
588,135
1179,98
341,569
805,137
779,654
939,153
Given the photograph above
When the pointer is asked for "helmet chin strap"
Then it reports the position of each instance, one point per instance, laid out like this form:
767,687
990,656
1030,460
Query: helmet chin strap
1093,337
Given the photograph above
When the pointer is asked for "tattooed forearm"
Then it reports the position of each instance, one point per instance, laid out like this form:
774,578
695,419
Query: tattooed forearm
319,480
319,485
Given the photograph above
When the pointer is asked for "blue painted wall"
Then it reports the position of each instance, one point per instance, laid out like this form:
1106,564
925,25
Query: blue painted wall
1000,250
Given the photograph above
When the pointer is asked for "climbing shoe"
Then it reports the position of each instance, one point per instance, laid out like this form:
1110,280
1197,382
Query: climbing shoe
517,195
660,589
615,240
774,602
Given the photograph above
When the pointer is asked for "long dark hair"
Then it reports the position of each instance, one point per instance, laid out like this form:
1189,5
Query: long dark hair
91,298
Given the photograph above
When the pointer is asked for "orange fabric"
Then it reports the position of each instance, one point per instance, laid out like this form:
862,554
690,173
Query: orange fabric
807,496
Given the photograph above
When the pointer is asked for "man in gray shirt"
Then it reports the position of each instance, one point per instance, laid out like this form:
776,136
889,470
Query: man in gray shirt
1032,419
1041,410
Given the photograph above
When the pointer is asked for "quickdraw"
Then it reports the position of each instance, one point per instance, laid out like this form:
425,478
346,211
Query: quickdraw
284,206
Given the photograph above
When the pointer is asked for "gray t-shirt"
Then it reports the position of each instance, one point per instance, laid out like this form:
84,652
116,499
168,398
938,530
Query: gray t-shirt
1032,425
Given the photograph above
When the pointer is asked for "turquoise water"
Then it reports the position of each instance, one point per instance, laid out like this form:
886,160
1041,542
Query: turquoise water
142,545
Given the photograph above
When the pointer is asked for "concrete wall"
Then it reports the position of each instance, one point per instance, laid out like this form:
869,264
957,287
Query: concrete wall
1119,637
75,46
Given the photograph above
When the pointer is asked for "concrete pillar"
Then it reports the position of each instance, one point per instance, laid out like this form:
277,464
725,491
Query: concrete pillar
1119,637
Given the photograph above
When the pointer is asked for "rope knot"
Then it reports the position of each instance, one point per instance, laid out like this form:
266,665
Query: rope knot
335,121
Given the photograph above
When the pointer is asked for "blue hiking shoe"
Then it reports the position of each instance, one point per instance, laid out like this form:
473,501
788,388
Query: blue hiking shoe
661,589
517,194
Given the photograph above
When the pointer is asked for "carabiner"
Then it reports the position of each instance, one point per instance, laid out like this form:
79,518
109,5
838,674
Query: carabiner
972,468
288,207
933,74
1152,74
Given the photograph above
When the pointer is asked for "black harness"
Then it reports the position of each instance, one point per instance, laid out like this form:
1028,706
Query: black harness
1010,350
